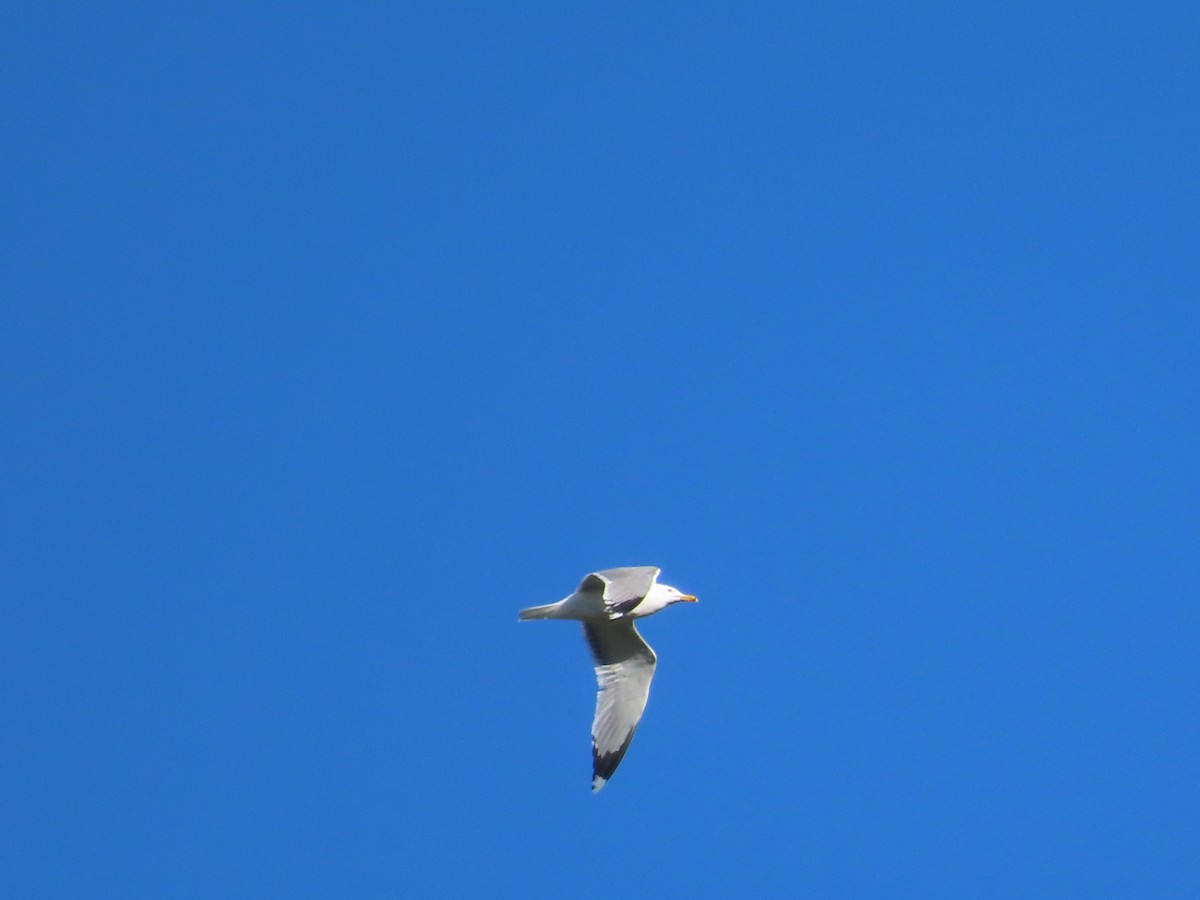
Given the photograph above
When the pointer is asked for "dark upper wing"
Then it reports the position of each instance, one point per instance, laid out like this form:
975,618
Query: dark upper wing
622,588
624,666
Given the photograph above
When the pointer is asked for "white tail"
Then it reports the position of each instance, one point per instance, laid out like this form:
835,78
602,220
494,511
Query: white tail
538,612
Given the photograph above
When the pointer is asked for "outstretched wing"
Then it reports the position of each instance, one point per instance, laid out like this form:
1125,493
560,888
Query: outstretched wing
624,666
622,589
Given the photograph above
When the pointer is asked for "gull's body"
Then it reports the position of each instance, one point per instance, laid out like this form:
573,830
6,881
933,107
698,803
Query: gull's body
607,602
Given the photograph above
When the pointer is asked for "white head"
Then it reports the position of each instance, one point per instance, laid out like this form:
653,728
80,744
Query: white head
674,595
660,597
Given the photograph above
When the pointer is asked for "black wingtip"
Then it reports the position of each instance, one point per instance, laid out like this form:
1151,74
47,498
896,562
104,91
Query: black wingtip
605,764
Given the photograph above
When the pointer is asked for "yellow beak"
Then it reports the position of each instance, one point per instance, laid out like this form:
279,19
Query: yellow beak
688,598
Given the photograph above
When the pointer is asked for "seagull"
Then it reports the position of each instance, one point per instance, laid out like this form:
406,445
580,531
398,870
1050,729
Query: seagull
607,602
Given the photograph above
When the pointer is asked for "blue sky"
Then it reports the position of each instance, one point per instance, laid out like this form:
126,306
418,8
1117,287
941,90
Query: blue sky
334,334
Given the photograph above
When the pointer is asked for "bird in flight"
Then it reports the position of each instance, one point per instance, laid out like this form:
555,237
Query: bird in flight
607,602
